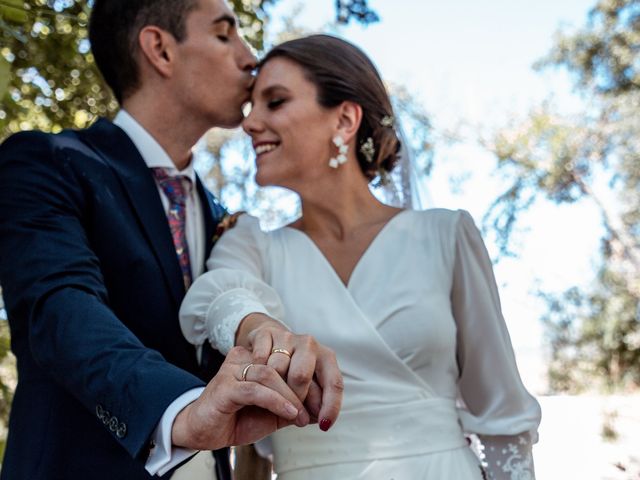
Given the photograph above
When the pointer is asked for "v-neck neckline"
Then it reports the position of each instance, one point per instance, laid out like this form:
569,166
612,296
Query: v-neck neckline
365,253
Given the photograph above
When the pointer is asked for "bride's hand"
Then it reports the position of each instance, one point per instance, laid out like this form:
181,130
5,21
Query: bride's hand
310,369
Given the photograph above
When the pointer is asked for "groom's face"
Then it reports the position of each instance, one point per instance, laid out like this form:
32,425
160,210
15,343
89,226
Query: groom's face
214,65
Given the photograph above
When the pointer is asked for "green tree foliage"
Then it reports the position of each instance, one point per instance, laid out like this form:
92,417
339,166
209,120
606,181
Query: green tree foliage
604,55
595,334
53,82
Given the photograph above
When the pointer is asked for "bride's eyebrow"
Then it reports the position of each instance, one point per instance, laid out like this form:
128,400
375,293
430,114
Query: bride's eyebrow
273,89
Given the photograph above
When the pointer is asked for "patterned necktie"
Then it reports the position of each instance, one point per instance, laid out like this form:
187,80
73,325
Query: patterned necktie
174,189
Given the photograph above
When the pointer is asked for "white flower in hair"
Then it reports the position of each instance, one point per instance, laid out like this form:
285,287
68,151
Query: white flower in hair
368,149
387,121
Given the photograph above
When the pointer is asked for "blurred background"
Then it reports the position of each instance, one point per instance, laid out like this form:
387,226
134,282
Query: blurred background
526,114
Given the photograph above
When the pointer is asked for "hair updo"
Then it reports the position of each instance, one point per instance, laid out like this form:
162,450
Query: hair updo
342,72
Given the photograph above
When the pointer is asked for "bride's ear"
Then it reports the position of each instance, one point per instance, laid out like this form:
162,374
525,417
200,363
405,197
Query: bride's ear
349,119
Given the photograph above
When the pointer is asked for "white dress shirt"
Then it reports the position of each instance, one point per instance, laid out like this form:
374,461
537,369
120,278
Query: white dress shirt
155,157
164,455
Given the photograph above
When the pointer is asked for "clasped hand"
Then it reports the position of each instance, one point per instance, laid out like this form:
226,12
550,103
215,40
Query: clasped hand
272,379
309,368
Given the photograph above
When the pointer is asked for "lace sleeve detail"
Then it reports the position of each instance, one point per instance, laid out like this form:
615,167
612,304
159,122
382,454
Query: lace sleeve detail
217,302
227,311
508,457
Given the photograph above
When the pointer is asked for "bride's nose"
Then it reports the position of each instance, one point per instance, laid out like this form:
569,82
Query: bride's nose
251,124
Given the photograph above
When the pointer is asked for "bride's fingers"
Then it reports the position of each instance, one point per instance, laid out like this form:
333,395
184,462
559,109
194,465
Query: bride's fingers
280,359
300,374
331,382
313,402
261,345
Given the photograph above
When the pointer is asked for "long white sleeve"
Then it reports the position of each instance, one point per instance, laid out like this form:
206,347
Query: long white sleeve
499,409
232,288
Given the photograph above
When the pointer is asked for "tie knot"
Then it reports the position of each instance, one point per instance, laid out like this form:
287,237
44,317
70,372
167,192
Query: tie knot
175,187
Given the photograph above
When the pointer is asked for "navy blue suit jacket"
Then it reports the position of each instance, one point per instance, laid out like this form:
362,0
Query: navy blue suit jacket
92,287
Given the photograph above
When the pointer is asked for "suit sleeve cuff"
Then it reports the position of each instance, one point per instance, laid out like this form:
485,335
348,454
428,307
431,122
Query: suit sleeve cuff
164,456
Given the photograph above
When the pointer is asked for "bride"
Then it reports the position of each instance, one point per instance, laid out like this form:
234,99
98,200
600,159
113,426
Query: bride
406,299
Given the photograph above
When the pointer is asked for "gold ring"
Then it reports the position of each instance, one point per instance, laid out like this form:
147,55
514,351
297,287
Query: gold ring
281,350
244,372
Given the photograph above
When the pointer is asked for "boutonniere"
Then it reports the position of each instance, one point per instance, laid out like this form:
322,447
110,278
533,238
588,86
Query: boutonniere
227,222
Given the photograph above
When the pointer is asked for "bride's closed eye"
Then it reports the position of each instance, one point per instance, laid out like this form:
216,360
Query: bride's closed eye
275,103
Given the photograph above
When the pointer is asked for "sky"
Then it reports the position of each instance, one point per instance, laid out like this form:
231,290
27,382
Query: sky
469,64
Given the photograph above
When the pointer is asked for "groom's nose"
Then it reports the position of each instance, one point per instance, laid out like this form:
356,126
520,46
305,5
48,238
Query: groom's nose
247,61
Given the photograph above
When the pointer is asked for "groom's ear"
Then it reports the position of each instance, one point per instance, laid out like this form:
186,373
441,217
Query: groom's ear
349,119
157,49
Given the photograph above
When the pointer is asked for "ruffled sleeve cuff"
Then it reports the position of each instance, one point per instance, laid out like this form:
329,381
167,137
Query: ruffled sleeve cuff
226,313
218,301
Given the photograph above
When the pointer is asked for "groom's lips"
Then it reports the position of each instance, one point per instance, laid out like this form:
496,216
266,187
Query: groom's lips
248,90
247,96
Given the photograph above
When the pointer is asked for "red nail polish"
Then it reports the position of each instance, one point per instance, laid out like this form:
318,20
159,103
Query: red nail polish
325,424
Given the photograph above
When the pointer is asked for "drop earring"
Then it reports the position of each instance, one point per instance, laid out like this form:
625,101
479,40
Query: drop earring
343,149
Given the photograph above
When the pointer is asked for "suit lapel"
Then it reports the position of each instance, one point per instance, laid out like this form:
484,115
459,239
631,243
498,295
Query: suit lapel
212,213
119,152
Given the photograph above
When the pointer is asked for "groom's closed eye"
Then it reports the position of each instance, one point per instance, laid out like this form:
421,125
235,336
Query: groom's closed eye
223,31
224,27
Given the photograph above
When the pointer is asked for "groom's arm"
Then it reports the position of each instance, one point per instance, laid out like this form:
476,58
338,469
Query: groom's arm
55,294
59,309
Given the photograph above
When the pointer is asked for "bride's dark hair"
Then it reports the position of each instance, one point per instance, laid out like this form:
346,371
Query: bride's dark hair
342,72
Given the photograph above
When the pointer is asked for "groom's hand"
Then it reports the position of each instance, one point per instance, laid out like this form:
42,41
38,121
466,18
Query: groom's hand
243,403
311,369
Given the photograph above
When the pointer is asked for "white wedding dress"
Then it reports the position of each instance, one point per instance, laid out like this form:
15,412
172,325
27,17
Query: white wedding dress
419,337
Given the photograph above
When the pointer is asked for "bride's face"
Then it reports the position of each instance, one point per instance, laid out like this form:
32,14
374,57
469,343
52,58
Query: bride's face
290,131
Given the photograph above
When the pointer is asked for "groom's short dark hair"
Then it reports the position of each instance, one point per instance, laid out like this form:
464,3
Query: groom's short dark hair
114,29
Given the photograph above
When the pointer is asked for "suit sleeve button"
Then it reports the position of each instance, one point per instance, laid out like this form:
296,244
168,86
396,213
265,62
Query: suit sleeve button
121,431
113,424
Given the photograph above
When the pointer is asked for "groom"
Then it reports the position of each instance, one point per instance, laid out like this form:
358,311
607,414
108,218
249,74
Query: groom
101,233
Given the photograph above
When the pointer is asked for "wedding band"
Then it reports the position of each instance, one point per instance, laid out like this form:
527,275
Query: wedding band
281,350
244,372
